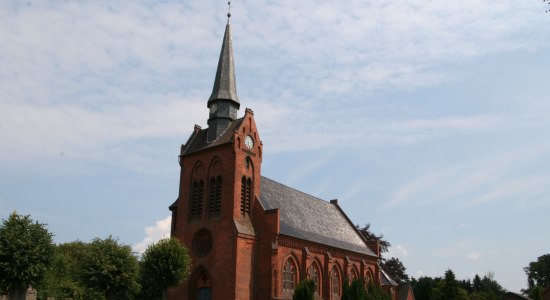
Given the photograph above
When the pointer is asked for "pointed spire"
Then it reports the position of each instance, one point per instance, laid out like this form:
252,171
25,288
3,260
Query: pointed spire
225,86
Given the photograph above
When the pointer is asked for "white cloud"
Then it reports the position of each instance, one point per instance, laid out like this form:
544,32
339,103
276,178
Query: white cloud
153,234
474,256
397,251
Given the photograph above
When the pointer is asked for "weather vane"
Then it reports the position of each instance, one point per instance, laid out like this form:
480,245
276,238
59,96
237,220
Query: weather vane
228,10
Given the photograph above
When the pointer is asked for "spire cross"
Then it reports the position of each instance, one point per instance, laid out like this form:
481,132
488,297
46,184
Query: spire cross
228,10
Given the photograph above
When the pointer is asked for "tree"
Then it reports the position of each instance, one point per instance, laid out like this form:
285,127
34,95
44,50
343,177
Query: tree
423,288
450,287
110,269
304,290
375,292
62,279
162,265
26,250
538,275
369,236
353,291
395,269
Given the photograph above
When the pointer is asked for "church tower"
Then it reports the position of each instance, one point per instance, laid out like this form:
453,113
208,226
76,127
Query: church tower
219,183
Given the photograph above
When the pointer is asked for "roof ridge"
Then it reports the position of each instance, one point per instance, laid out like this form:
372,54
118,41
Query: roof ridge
315,197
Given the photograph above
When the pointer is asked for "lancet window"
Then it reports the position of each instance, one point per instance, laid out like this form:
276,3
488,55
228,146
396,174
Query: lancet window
246,195
215,196
197,193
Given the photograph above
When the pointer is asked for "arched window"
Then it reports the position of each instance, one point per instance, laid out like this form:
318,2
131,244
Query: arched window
315,275
289,276
335,284
215,196
197,193
352,275
246,195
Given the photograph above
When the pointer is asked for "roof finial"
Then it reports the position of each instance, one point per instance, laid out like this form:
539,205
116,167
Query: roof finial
228,11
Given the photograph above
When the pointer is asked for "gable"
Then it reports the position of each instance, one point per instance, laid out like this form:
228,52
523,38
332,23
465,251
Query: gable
198,139
309,218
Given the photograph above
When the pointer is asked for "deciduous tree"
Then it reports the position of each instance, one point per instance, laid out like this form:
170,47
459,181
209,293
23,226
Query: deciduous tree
110,269
163,264
26,251
538,275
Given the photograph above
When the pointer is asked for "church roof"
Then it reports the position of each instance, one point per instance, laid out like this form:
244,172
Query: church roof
309,218
198,139
385,279
225,85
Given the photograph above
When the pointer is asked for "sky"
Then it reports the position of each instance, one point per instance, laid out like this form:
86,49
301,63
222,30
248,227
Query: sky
427,119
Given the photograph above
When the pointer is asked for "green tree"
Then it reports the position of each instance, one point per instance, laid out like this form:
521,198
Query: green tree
375,292
304,290
538,275
395,269
423,288
26,251
163,264
62,280
111,269
369,236
353,291
450,287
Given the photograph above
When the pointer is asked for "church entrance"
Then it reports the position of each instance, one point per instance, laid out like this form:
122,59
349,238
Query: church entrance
204,293
200,285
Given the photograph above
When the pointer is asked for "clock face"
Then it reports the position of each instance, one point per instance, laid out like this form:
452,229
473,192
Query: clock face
213,109
248,142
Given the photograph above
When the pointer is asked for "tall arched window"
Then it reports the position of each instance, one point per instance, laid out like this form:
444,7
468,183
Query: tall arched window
352,275
246,195
335,284
315,275
289,276
197,193
215,196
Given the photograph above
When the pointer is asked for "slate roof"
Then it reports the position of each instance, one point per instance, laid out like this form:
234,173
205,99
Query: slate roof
197,141
312,219
385,279
225,84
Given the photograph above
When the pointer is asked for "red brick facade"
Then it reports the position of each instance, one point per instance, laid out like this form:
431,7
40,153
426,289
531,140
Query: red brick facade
237,248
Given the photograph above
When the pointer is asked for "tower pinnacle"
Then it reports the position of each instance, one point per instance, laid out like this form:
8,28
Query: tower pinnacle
223,102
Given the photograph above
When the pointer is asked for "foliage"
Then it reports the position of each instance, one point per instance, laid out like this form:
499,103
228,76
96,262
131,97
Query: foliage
163,264
353,291
26,251
375,292
423,288
486,288
111,269
62,279
304,290
369,236
395,269
538,276
450,288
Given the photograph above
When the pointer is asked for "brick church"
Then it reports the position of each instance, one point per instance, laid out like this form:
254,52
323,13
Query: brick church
251,237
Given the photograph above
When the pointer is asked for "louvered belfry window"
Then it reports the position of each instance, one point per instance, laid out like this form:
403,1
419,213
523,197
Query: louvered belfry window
215,197
197,193
246,195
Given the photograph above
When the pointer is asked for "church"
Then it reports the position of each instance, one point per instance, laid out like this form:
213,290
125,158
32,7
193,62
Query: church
249,236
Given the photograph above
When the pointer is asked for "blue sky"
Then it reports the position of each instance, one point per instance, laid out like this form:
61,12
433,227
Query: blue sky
427,119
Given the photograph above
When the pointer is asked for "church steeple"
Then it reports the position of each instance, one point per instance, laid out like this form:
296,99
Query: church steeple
223,102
